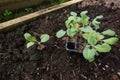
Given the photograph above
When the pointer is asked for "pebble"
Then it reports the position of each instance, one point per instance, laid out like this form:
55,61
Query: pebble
38,73
118,73
119,49
118,21
112,70
38,69
106,66
47,68
99,64
103,68
65,11
55,68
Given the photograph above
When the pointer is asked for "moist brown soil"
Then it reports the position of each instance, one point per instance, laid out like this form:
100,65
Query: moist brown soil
54,62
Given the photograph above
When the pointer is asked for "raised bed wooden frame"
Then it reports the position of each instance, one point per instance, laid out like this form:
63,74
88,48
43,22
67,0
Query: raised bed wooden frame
21,20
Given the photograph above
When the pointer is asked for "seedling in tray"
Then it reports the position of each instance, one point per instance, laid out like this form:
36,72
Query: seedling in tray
83,33
75,25
32,40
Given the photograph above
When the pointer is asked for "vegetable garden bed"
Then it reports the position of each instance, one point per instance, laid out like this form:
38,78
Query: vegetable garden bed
54,62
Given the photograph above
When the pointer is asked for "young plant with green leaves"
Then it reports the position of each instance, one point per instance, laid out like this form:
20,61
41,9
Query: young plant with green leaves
72,25
29,10
32,40
7,14
96,42
78,24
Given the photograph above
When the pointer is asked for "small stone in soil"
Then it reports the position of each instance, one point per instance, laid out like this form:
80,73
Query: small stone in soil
38,73
118,73
103,68
38,69
99,64
55,68
83,76
112,70
47,67
106,66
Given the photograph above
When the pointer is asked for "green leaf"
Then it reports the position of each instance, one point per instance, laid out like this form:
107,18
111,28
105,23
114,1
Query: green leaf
97,54
93,33
71,18
29,37
78,20
103,48
89,54
7,13
60,33
73,13
92,40
85,35
72,31
108,32
67,23
111,41
86,29
44,37
99,17
95,22
73,24
30,44
84,18
91,60
99,36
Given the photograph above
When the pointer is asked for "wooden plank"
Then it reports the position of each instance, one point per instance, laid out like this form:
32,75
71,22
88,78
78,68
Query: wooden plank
23,19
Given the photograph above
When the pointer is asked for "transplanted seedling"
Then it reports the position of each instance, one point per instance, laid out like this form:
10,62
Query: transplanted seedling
32,40
78,24
96,42
71,25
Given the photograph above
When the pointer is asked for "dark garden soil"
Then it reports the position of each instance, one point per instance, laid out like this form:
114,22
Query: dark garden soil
54,62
